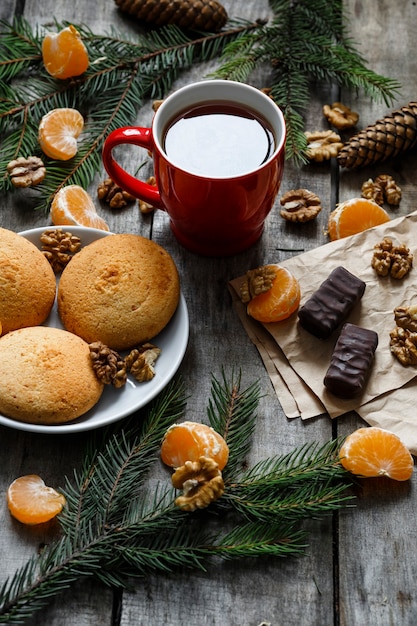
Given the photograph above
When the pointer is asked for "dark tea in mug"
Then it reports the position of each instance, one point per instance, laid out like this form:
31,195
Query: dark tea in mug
218,140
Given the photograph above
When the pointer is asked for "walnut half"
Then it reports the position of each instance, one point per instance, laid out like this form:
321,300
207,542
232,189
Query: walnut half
26,172
140,362
300,205
392,260
201,482
59,247
403,345
257,281
406,317
108,365
340,116
322,145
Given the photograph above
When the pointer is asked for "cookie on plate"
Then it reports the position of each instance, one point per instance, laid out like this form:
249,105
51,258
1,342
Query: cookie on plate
121,290
47,376
27,283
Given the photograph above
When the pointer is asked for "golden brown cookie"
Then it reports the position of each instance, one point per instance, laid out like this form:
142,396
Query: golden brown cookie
47,376
121,290
27,283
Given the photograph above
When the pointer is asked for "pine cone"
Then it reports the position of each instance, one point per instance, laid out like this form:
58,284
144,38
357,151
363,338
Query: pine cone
205,15
385,139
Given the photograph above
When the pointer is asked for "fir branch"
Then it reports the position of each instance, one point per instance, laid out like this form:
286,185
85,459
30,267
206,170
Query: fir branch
118,523
122,74
305,42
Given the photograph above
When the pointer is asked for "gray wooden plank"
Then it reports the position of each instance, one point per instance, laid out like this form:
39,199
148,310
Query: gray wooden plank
377,561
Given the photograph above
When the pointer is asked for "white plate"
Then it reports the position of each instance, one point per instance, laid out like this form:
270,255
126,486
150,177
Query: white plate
115,404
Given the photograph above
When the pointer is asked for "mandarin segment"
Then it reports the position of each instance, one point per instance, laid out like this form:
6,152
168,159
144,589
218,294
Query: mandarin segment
189,441
280,301
64,54
72,205
30,501
374,451
58,133
354,216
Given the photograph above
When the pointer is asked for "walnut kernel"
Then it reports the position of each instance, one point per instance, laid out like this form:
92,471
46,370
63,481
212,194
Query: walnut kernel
403,345
26,172
322,145
201,482
140,362
406,317
113,195
257,281
396,261
340,116
382,189
59,247
145,207
391,191
300,205
108,365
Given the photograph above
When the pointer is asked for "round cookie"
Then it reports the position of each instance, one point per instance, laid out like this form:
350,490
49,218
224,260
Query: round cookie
121,290
47,376
27,283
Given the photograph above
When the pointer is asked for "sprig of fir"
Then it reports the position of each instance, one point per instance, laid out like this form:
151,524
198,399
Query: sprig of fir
307,41
118,524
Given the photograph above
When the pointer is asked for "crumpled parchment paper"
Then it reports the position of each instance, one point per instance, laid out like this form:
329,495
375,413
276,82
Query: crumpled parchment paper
296,361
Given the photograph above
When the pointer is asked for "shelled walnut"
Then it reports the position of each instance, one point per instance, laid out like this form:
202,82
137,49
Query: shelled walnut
406,317
340,116
26,172
392,260
140,362
145,207
113,195
322,145
256,281
300,205
59,247
382,189
403,345
108,365
201,482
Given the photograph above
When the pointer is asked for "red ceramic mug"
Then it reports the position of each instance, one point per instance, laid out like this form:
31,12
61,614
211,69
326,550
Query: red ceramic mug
218,156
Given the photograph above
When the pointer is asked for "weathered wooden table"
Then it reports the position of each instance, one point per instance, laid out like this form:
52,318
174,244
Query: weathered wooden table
361,565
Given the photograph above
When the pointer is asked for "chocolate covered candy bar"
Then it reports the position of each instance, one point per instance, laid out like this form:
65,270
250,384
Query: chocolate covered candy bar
329,306
351,361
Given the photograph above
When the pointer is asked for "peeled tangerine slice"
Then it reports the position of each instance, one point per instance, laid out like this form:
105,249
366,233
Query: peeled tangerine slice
373,451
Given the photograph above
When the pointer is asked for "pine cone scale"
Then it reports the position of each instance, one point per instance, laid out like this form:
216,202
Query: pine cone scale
394,134
205,15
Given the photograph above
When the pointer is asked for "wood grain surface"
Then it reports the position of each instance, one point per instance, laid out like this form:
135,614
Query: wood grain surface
361,565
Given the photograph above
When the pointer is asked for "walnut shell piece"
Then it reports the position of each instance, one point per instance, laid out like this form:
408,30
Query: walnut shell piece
300,205
322,145
26,172
201,482
406,317
113,195
403,345
140,362
340,116
108,365
389,259
256,281
59,247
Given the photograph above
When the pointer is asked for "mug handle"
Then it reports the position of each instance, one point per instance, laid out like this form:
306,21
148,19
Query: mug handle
137,136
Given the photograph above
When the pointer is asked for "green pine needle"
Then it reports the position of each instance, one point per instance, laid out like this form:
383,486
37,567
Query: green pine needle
119,523
306,41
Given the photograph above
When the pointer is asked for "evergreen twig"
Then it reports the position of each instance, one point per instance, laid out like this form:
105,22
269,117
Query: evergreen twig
305,41
117,525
